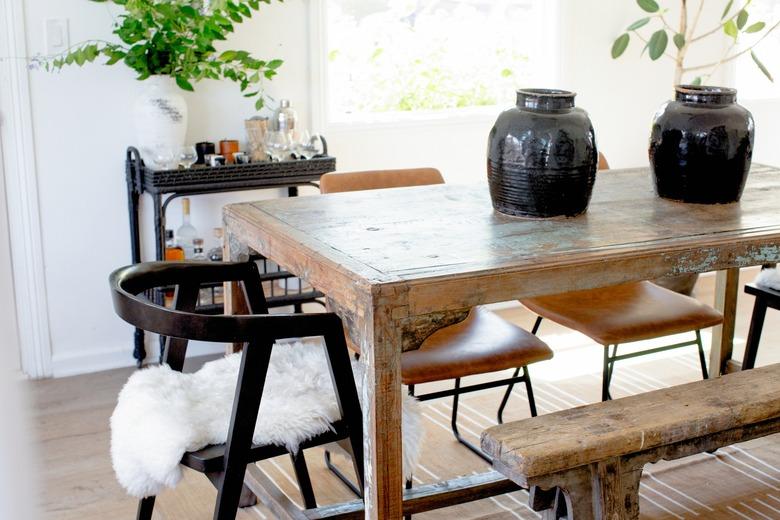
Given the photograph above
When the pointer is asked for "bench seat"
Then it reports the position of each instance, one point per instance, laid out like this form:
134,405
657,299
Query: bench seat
605,445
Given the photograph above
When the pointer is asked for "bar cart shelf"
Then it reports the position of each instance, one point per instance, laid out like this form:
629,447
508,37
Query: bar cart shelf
166,185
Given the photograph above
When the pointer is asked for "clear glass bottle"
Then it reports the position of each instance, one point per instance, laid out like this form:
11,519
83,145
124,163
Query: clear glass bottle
215,253
186,232
284,118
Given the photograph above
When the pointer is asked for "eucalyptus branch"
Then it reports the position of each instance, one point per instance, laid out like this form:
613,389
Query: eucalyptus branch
735,56
692,27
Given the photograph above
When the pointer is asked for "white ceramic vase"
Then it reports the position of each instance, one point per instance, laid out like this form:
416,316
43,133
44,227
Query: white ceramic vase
160,114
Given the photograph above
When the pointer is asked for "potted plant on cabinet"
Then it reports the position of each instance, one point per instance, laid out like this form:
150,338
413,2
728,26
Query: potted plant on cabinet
170,44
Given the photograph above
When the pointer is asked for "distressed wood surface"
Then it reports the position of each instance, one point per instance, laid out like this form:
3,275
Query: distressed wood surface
394,262
726,287
595,454
585,434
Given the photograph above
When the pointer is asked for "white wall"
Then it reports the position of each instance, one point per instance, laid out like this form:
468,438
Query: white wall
82,126
9,337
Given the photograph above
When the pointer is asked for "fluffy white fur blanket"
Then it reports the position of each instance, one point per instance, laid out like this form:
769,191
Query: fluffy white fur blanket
161,413
769,278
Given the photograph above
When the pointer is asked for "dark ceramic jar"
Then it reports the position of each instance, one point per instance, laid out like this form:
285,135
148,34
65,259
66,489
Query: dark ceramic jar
542,156
701,146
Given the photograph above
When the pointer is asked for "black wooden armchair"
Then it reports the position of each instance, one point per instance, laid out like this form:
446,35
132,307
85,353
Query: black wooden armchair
225,465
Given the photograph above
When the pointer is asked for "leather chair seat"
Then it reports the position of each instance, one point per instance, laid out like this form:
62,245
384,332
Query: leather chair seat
481,343
625,313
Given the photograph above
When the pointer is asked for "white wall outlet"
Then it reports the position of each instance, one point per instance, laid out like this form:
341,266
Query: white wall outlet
57,38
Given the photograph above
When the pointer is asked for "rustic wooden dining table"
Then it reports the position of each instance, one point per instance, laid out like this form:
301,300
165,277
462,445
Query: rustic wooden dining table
398,264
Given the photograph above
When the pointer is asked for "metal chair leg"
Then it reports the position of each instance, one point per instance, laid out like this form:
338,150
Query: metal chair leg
145,507
341,476
606,375
529,391
702,358
304,481
454,424
537,323
754,334
407,486
505,399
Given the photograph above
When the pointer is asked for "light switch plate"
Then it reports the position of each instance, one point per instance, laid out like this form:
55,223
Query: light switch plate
57,38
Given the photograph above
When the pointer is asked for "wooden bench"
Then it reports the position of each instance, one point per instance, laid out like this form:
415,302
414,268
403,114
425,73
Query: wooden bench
595,454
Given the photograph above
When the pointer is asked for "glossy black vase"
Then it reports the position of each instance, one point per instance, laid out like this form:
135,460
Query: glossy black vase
542,156
701,146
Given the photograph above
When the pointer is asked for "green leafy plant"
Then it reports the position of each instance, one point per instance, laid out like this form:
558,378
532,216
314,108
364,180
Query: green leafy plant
735,22
176,38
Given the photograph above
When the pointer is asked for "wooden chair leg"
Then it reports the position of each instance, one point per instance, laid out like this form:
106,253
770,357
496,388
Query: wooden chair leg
145,508
754,334
304,481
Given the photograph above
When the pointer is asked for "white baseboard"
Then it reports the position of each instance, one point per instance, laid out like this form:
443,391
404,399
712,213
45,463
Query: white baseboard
107,358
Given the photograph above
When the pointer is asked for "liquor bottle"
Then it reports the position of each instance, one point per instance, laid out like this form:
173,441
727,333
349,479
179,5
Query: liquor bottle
172,251
186,232
197,249
215,253
284,118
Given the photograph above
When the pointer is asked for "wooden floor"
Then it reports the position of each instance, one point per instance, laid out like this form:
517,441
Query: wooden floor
71,416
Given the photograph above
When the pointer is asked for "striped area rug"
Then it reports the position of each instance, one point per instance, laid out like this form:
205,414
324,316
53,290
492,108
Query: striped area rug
740,481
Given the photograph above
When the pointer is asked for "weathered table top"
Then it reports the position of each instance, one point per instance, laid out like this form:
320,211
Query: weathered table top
398,264
432,238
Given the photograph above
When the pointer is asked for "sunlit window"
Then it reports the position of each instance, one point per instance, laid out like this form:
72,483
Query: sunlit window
394,57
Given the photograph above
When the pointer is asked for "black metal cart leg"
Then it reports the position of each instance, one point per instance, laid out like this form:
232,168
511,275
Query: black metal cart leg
159,253
133,194
754,334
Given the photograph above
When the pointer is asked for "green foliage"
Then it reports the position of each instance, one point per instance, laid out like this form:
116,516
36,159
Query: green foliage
733,23
177,38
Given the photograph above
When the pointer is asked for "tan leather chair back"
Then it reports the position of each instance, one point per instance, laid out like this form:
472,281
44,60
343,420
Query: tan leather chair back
378,179
603,164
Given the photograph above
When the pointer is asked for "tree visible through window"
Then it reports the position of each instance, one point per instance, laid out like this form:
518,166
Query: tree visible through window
428,55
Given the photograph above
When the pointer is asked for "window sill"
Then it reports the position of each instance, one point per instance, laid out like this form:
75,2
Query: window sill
403,120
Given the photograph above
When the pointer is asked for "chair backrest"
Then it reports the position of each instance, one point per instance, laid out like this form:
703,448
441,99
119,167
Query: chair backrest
603,164
258,332
129,286
379,179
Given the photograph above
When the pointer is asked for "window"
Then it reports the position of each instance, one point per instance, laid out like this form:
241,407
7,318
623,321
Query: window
751,82
400,59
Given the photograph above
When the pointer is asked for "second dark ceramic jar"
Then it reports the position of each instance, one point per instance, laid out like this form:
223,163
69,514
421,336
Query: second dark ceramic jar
701,146
542,156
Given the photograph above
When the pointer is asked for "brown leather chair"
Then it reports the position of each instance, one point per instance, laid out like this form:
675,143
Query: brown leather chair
481,343
626,313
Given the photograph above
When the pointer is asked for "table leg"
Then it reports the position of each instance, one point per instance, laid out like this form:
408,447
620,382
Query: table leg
234,302
380,344
726,289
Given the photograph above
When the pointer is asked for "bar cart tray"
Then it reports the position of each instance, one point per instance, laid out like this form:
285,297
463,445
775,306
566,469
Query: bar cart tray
165,180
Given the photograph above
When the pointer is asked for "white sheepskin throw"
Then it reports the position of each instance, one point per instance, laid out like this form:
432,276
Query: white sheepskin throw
161,414
769,278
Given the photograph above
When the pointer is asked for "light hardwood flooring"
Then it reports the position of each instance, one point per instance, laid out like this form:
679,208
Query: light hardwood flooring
71,420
